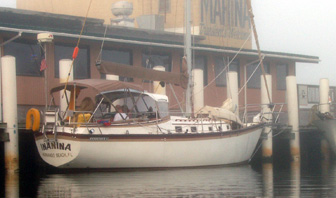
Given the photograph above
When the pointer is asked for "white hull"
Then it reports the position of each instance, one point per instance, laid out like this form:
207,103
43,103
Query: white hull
328,127
149,151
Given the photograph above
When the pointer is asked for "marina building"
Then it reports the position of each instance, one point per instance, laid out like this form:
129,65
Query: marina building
150,35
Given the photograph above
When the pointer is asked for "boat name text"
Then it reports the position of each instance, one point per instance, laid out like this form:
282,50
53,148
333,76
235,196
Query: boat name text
55,145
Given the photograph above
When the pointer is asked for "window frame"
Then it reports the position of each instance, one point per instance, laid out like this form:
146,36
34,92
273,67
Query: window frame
282,87
130,51
205,68
38,58
235,64
56,62
258,84
143,61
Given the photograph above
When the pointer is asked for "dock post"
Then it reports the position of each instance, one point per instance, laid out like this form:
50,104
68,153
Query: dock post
10,113
111,77
232,90
267,144
324,107
157,87
64,68
293,116
198,92
114,77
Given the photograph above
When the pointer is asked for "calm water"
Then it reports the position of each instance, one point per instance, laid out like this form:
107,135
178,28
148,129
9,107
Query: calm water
239,181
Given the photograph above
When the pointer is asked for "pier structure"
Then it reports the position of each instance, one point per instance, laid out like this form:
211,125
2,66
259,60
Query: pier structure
293,116
324,107
65,75
10,116
198,89
267,142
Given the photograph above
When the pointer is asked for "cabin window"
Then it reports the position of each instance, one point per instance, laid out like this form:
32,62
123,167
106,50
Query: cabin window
164,6
193,129
254,81
118,56
219,128
163,109
282,72
220,64
178,129
27,57
201,63
210,128
81,66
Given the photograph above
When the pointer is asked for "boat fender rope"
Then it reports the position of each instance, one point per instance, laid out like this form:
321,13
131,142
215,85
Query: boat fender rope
33,119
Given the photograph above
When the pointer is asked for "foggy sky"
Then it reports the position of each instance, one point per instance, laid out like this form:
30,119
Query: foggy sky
306,27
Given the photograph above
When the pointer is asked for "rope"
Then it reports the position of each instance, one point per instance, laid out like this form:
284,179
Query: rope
234,57
101,47
248,2
76,50
213,80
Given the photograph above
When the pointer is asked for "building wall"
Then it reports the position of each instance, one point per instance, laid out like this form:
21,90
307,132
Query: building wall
222,22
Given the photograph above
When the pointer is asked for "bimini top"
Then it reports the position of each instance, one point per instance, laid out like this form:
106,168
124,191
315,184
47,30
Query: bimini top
118,94
98,85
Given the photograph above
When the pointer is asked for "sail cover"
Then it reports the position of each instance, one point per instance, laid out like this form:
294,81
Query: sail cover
119,69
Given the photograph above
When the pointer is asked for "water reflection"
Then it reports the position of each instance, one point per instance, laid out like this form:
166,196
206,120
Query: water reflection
295,179
267,171
12,184
239,181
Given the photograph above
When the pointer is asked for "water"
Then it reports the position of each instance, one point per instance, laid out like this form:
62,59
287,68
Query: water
238,181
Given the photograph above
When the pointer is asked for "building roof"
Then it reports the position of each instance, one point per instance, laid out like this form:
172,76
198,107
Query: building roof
31,22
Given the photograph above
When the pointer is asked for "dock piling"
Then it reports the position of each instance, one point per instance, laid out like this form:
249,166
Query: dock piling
324,107
10,113
267,144
198,93
64,68
293,116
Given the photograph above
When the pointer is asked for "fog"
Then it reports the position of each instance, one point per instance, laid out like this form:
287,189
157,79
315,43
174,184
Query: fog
304,27
301,27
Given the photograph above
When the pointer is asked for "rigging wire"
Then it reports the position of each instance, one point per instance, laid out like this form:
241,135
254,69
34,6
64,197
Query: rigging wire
213,80
99,57
75,53
224,69
249,77
249,6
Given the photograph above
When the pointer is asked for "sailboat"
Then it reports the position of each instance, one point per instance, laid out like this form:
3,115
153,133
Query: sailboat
144,135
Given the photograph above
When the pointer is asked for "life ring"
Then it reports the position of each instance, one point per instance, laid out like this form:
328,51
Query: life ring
33,119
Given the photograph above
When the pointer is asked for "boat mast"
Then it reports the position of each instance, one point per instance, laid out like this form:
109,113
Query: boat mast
187,49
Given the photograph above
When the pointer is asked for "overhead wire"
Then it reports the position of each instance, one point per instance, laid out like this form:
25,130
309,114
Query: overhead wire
75,53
